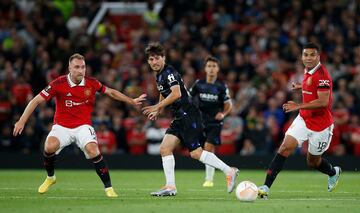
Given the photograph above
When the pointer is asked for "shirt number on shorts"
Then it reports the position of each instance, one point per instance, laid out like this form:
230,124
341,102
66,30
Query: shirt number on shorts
92,132
322,146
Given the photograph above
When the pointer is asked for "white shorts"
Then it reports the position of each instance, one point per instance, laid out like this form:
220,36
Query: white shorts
319,142
80,135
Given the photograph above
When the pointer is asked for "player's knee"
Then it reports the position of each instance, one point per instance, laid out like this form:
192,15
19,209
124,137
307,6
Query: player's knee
285,150
209,147
51,145
92,150
195,154
288,146
165,150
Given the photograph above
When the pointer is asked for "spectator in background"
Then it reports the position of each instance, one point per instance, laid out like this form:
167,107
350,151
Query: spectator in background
21,93
353,134
136,139
118,128
106,139
7,142
154,135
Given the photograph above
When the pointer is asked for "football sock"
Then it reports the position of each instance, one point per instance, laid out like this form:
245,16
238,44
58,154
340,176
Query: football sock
49,163
210,159
274,169
209,172
169,169
102,170
326,168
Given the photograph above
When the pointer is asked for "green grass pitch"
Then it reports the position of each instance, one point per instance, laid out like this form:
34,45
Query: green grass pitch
81,191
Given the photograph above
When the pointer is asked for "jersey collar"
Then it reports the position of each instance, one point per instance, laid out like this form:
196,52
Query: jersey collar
313,70
72,84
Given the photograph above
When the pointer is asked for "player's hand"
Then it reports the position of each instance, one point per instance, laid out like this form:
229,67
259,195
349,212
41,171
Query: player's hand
18,128
139,100
151,112
295,86
291,106
219,116
153,116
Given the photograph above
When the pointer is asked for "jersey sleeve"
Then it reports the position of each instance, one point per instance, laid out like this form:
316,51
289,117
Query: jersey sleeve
99,87
226,94
324,83
193,90
49,91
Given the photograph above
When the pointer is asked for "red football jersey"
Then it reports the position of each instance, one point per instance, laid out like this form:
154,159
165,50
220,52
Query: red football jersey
317,79
74,102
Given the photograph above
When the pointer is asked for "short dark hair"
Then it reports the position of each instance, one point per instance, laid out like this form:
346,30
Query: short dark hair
312,45
154,48
212,58
77,56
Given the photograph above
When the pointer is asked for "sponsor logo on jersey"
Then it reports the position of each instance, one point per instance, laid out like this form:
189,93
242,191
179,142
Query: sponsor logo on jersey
171,78
324,83
70,103
208,97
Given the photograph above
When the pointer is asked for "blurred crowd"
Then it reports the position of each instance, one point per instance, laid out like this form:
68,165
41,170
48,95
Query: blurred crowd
258,43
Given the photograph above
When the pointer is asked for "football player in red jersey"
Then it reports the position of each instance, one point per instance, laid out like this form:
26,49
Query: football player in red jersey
75,97
314,123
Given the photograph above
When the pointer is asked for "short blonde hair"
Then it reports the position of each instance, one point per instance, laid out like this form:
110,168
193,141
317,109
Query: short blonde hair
76,56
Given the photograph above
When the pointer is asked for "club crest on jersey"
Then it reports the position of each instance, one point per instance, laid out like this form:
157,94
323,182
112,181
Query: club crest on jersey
309,81
87,92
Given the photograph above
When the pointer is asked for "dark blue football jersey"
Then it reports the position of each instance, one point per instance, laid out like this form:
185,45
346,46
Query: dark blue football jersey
211,98
167,78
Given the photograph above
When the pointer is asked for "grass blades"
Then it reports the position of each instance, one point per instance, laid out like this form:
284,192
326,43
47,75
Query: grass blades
82,191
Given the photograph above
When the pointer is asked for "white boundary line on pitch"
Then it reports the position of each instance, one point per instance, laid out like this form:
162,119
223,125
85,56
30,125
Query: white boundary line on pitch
172,197
189,190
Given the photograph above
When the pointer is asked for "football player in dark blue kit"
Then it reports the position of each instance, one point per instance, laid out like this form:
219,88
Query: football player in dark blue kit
214,103
186,128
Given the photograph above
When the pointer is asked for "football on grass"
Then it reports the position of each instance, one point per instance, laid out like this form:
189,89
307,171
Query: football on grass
246,191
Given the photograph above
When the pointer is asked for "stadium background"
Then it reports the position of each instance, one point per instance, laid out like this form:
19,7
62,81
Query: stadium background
258,43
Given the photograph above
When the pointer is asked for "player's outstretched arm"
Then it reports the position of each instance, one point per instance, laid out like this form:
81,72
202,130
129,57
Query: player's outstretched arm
19,125
121,97
321,102
153,111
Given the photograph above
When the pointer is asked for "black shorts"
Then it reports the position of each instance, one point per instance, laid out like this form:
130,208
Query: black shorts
189,129
212,134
